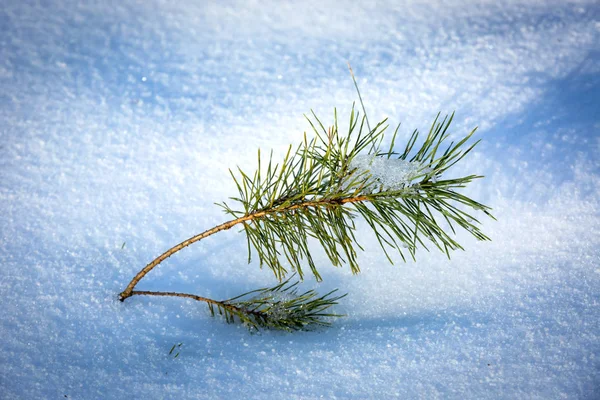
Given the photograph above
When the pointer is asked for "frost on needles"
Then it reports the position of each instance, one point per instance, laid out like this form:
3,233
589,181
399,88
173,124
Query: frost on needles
318,191
387,173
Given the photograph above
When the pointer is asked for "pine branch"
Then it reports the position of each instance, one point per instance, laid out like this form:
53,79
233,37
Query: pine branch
318,191
280,307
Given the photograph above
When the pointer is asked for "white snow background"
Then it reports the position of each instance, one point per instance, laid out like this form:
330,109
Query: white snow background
119,120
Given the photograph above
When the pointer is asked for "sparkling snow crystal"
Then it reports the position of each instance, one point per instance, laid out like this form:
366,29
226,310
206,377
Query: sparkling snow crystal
391,174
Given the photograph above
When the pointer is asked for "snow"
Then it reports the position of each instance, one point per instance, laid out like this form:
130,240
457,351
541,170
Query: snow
388,173
119,122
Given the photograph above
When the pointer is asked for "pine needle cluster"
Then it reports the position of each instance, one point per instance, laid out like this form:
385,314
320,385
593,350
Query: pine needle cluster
280,307
317,192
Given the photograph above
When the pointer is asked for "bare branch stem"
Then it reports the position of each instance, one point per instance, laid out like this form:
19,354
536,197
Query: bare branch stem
176,294
222,304
128,292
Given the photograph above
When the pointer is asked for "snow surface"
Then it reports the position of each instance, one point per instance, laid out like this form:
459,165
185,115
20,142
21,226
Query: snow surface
120,119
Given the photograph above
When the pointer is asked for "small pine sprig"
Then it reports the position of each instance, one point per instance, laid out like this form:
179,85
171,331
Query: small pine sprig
319,190
281,307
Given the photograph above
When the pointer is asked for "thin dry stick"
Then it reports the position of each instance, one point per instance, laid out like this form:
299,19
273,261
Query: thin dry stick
217,303
128,292
177,294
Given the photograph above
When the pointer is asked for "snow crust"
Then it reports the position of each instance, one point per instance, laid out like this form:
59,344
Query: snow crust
119,121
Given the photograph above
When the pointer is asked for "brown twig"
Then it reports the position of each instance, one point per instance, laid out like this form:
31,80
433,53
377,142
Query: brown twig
176,294
223,304
128,292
